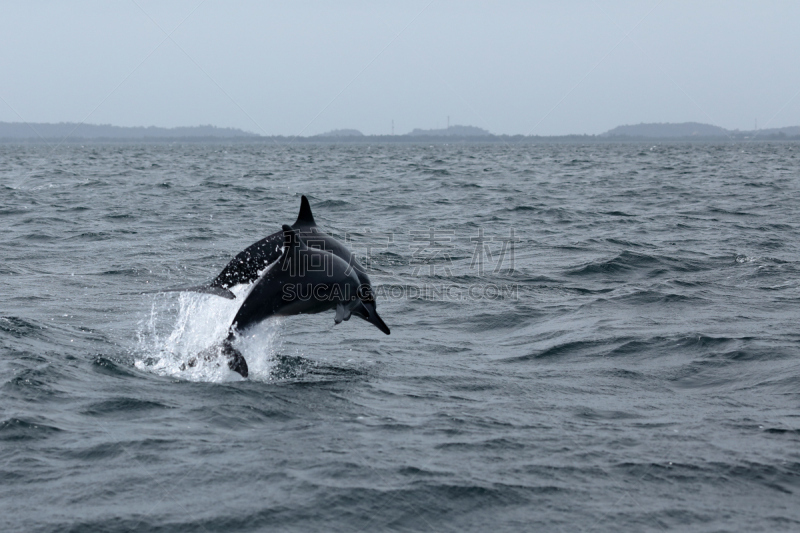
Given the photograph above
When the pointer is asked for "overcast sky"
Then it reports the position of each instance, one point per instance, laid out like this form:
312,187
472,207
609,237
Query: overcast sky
306,67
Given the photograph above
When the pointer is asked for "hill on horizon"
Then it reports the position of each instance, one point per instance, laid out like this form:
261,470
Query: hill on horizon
341,133
452,131
664,130
71,130
668,130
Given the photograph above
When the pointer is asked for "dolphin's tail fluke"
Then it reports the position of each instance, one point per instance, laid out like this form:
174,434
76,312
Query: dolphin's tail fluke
236,360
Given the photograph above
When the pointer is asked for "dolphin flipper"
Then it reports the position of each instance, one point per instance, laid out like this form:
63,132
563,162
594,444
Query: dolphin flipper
341,314
217,291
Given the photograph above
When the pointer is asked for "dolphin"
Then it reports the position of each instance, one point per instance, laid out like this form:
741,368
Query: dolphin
314,237
303,281
247,265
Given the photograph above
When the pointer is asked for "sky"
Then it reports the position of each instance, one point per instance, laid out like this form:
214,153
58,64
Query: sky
310,66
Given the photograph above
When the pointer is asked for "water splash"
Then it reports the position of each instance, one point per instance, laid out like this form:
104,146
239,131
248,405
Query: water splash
179,328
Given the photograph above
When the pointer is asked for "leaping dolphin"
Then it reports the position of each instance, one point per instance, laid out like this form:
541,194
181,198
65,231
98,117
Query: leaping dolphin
303,281
298,270
246,266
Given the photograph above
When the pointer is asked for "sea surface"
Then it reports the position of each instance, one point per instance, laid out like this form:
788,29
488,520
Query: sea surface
600,337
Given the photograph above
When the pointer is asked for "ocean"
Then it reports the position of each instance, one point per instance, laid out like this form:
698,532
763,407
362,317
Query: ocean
585,337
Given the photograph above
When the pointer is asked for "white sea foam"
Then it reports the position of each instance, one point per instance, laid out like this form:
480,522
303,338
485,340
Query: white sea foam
181,327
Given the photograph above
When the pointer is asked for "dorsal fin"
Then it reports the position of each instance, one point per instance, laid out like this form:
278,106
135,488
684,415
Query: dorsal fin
305,218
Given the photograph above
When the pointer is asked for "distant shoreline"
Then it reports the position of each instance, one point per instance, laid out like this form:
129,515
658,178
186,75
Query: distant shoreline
74,133
399,139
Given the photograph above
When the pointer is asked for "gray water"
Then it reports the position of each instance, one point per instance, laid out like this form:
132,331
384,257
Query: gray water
628,362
